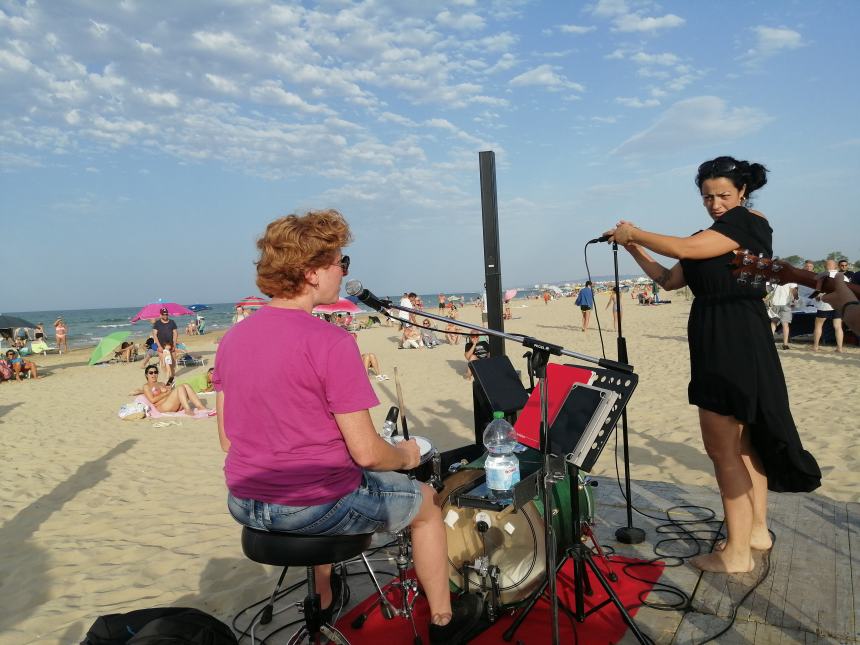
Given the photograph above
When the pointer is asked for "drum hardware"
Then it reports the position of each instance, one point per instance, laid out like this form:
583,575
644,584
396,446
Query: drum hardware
408,588
489,573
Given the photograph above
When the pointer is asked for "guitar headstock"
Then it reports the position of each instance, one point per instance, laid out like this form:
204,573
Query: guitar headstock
755,269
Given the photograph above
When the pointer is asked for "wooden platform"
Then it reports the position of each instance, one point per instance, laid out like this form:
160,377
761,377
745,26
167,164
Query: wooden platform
808,596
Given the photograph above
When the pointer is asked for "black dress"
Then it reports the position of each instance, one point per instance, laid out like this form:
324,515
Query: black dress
735,368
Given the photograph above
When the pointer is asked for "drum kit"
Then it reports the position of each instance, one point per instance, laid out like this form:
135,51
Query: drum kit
499,554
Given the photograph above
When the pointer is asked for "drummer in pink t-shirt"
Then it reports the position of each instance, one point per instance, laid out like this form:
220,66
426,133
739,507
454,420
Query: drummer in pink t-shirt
303,455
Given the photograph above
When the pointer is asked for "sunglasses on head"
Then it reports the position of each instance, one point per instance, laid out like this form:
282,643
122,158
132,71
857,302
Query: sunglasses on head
344,264
717,166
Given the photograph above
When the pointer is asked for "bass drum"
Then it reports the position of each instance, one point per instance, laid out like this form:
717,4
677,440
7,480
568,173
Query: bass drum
515,541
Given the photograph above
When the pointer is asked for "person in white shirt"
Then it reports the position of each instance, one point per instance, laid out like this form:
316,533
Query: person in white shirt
781,301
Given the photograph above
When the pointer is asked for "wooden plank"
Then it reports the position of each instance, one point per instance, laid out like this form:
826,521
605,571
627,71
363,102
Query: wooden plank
785,528
853,578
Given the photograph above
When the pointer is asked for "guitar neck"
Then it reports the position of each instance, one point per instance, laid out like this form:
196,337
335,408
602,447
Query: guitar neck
788,273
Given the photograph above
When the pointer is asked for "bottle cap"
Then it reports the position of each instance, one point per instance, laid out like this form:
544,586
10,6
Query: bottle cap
498,414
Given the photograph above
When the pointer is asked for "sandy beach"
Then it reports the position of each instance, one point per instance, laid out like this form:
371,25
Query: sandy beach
101,515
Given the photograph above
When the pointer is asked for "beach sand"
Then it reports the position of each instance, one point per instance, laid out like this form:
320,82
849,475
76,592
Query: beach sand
101,515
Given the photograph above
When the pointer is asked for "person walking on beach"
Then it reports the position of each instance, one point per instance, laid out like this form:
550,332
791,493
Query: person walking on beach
442,303
585,301
782,299
615,303
61,331
303,455
736,377
167,335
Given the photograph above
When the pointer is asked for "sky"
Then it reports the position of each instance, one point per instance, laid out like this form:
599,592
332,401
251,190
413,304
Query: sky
144,146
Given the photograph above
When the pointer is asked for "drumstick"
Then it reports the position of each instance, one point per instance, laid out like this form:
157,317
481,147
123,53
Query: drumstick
401,406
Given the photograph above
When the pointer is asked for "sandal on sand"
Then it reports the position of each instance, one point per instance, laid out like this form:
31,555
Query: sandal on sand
165,424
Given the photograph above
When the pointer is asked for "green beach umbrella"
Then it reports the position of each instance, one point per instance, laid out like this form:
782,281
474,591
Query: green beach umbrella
107,345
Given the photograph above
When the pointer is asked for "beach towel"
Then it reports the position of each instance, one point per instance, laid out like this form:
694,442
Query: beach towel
155,413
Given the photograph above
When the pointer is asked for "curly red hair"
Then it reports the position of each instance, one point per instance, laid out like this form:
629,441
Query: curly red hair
295,244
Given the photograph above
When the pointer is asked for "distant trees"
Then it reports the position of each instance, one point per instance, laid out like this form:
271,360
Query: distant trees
798,260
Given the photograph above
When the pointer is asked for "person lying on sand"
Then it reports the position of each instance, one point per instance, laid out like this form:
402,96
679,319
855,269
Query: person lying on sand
167,399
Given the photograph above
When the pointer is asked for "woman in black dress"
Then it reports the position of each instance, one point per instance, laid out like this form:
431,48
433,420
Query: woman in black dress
736,377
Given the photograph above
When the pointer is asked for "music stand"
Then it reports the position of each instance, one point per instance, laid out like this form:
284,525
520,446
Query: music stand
497,386
571,429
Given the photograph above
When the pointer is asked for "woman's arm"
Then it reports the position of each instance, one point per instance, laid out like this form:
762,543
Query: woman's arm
369,450
701,246
669,279
219,408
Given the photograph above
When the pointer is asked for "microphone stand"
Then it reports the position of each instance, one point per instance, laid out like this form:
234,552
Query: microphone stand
626,534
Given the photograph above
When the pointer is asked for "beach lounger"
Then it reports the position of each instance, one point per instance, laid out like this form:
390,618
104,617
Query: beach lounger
187,360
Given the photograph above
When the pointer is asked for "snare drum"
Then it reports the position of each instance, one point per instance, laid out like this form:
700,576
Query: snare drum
424,470
515,541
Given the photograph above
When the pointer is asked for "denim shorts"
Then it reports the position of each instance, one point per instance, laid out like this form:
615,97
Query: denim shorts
384,501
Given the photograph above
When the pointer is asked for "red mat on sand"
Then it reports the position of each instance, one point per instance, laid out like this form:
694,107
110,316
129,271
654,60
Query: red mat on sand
603,627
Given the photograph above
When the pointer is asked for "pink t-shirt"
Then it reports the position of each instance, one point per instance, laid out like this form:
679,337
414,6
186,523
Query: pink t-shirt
284,375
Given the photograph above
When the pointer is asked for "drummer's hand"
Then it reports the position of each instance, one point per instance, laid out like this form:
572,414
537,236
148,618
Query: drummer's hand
410,452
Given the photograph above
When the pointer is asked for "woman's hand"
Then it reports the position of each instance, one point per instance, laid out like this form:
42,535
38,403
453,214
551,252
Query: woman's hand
622,233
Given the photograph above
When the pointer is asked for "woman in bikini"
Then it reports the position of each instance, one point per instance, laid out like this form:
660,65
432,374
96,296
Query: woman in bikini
61,331
166,399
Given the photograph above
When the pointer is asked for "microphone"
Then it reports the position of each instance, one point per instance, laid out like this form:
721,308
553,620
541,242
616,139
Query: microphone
354,288
596,240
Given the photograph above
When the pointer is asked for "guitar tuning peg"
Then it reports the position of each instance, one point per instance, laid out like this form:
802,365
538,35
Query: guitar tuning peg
775,264
743,277
747,258
757,280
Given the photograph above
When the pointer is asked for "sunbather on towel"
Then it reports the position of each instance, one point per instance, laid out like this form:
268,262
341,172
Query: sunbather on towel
167,399
201,382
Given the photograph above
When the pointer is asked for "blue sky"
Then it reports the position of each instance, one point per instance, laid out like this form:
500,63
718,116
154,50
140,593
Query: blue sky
145,145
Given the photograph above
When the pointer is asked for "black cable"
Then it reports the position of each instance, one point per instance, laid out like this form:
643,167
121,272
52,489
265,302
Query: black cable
596,316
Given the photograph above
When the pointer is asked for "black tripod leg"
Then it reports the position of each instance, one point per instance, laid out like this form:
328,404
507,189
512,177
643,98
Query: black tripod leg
640,636
536,595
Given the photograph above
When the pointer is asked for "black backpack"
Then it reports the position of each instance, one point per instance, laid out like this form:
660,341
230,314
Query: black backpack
178,625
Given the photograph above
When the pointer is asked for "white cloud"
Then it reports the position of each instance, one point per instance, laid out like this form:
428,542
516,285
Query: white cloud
148,48
271,92
159,99
636,22
637,103
464,22
655,59
575,29
221,84
626,20
694,122
772,40
13,61
545,76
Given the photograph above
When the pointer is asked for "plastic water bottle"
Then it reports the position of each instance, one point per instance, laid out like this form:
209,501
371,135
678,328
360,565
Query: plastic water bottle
502,466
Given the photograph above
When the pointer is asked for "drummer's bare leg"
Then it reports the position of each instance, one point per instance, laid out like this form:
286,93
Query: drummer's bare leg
430,553
322,580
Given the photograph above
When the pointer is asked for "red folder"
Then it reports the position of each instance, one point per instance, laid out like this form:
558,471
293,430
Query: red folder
560,379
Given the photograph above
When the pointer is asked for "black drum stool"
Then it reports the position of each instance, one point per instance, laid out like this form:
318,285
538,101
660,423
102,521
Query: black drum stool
294,550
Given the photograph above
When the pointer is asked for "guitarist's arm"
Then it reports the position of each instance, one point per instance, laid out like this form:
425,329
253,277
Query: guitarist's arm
669,279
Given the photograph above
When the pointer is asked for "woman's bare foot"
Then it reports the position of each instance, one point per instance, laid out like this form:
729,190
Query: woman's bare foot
719,562
758,542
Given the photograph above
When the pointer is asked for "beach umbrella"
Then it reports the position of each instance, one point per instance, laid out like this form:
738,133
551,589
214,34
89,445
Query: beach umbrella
509,294
342,305
107,345
252,302
7,322
153,310
196,308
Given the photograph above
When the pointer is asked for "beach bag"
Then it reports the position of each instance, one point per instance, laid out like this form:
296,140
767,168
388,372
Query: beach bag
132,411
178,625
5,371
